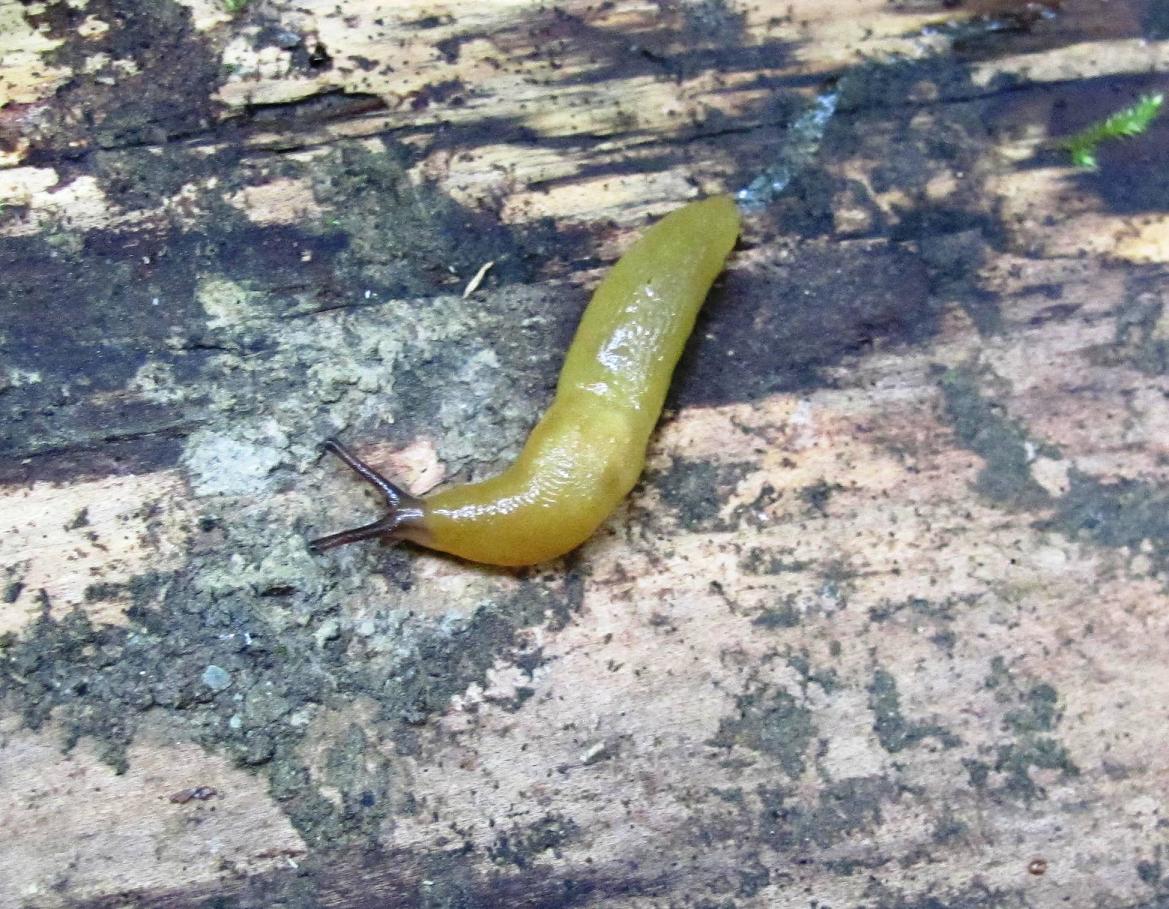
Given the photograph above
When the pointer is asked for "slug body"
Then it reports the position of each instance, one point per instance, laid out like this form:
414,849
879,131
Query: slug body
587,451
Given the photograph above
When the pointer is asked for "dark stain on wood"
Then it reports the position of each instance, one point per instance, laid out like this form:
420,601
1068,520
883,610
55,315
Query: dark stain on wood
981,425
774,326
82,314
398,879
219,668
324,107
145,451
169,95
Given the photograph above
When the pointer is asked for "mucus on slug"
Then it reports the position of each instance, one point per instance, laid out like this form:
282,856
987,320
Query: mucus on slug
587,451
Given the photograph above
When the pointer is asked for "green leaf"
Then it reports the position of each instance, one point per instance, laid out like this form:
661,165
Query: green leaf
1129,121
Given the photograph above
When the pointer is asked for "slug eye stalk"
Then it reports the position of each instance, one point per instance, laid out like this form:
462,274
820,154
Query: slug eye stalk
404,509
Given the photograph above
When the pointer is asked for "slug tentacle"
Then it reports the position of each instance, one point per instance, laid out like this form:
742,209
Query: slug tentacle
405,511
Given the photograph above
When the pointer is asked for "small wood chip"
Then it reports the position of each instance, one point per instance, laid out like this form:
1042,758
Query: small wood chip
473,284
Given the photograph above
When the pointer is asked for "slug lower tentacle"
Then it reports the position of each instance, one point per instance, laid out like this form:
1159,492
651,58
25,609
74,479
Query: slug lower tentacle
587,451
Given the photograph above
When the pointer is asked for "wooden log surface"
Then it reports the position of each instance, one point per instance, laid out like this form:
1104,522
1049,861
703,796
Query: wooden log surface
884,625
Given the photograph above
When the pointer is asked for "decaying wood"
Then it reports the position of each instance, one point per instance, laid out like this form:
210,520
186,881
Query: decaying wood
886,623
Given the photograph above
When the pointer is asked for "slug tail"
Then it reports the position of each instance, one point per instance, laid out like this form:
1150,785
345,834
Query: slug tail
405,511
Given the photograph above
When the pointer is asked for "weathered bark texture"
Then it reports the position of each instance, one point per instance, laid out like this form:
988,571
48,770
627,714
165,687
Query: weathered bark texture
885,625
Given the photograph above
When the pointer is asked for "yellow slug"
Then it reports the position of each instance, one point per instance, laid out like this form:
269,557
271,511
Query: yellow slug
588,450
